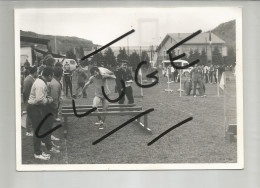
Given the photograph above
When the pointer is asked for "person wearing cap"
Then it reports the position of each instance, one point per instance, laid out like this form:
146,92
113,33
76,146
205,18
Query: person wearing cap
125,75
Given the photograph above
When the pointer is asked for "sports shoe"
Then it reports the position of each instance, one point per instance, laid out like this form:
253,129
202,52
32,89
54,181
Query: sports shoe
42,157
54,138
54,145
42,144
99,122
57,119
29,134
194,95
101,125
54,150
46,155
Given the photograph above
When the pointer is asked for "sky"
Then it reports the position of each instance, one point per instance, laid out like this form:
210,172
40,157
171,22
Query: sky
102,25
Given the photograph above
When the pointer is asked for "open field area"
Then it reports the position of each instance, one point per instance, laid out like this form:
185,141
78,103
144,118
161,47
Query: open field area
201,140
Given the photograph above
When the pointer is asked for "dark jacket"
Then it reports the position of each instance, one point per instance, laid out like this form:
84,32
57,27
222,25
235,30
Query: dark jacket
124,76
27,85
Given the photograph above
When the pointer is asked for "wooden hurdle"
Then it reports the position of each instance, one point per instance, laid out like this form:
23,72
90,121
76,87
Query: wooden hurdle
113,110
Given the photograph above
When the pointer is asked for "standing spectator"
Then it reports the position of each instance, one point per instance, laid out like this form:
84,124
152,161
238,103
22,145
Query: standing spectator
82,77
172,73
55,91
126,76
117,74
26,68
206,73
215,73
68,79
196,77
221,69
27,85
211,73
175,75
38,107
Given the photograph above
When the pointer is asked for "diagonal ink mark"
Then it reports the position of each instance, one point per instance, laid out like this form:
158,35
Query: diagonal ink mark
81,115
183,41
181,67
169,130
119,97
123,125
151,75
48,132
182,55
107,45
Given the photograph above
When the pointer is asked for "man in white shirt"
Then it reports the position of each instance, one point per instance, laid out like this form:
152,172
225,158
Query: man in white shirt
38,108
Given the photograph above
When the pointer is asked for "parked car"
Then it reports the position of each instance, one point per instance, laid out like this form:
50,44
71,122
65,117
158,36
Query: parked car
73,64
179,62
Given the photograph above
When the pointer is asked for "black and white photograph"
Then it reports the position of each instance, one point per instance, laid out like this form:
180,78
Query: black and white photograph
129,88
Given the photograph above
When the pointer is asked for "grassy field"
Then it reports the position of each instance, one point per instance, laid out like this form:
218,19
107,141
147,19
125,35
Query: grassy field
201,140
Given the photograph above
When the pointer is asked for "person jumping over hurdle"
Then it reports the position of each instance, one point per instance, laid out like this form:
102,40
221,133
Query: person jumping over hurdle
99,79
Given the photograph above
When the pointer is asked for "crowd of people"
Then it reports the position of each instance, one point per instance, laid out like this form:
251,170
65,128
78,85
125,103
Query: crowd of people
42,92
199,76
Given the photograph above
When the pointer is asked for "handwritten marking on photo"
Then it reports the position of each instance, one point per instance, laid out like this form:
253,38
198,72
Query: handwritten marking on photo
123,125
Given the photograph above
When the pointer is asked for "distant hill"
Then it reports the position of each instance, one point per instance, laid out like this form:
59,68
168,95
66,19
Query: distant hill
227,32
63,43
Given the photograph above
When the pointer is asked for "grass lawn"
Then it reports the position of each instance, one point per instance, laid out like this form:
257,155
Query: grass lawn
201,140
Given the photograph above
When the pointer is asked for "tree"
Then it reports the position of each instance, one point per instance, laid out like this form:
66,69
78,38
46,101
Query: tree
217,58
203,57
70,54
98,59
230,59
196,55
145,57
81,52
109,59
134,60
122,55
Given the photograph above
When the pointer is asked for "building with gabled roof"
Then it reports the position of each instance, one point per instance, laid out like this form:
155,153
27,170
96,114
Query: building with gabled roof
199,42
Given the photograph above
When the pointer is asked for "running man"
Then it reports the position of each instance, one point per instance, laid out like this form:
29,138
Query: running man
99,79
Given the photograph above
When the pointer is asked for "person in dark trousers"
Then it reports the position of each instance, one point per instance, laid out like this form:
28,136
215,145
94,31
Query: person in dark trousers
126,76
196,77
221,69
68,79
38,107
117,73
27,85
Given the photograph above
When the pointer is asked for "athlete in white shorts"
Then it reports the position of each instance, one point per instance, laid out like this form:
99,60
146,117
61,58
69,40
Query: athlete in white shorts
99,80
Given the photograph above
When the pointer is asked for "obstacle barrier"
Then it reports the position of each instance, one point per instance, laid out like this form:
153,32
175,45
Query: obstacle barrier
112,110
